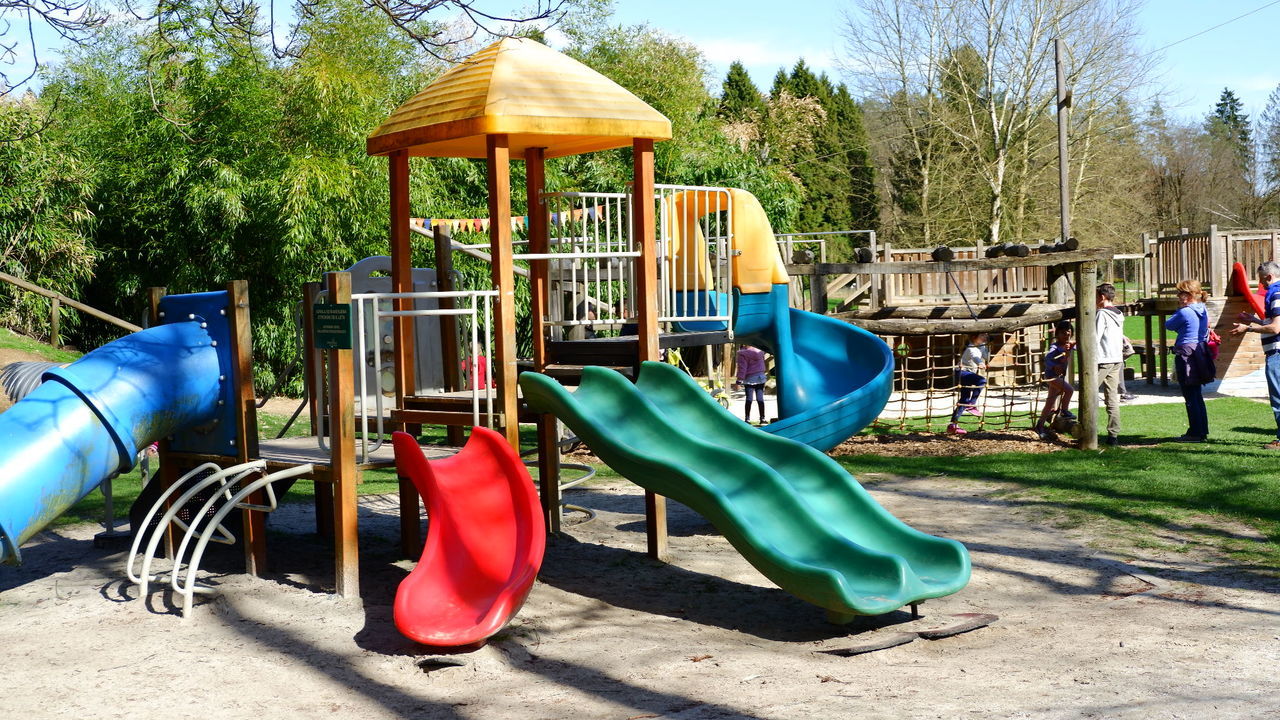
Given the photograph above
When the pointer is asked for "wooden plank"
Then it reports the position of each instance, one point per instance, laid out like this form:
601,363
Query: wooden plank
168,474
955,266
642,232
246,412
461,418
947,312
70,301
401,275
643,235
1149,352
342,429
1086,309
540,298
449,354
503,275
908,326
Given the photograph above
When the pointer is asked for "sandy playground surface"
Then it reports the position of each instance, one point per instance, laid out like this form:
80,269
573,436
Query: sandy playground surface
608,633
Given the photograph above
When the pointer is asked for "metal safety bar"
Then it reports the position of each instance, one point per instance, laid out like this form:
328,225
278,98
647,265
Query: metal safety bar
591,263
695,248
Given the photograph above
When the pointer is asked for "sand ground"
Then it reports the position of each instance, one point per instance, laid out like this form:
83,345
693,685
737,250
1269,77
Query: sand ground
609,633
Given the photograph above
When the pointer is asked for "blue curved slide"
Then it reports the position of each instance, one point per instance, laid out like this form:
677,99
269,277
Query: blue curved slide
833,378
87,421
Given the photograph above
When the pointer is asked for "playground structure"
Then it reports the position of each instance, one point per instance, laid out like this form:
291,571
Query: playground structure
652,268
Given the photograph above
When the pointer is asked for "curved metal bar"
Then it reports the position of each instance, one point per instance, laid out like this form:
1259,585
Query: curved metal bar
188,592
237,473
220,475
151,513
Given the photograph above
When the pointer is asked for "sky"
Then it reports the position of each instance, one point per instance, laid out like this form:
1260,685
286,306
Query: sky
768,34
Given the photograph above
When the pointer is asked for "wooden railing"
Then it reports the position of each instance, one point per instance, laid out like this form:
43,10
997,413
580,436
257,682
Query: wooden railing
57,300
936,288
1205,256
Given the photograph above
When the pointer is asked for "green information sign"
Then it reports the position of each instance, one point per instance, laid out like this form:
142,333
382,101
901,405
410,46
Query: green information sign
332,325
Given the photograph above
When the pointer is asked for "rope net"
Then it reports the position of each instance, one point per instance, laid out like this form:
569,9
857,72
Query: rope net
926,386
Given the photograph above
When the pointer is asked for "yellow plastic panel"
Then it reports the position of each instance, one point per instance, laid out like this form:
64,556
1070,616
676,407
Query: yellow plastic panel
757,266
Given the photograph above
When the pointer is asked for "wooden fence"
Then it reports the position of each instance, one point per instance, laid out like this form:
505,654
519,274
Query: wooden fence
1205,256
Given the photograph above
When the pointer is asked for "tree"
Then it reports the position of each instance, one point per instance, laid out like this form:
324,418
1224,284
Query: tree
1229,124
970,85
1269,144
182,21
739,97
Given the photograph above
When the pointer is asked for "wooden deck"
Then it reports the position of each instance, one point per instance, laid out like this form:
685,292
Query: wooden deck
293,451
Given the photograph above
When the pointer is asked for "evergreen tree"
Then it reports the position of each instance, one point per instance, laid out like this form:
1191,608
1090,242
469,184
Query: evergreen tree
1229,124
1269,141
781,84
739,97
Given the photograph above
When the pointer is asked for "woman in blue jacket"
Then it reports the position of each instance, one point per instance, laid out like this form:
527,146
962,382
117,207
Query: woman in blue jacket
1192,361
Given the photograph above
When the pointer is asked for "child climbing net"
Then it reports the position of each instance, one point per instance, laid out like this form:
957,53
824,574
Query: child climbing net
926,387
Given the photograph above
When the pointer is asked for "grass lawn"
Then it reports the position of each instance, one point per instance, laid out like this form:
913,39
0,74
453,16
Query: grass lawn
1219,496
9,340
1142,491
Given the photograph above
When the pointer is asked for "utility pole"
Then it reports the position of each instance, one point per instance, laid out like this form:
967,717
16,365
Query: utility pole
1060,285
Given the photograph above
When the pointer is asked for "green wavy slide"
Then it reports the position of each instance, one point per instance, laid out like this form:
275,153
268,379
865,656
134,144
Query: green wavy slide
792,512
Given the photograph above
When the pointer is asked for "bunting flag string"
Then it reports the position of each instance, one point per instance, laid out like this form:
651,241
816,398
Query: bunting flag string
518,222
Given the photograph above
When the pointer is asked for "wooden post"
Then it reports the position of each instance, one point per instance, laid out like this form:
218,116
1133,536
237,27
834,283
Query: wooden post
1148,258
887,292
1164,351
401,276
642,231
1275,248
1086,311
246,410
55,313
1148,369
504,280
875,286
449,354
168,474
818,291
1219,262
342,445
539,302
313,374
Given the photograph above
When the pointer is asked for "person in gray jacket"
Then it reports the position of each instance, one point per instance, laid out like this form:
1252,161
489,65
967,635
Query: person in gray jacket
1110,325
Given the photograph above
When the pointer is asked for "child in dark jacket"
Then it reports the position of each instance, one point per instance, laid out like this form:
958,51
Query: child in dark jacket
1056,361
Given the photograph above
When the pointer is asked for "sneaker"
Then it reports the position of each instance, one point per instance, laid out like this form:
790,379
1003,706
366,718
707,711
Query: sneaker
1128,396
954,429
1273,445
1045,435
973,410
1067,414
1113,441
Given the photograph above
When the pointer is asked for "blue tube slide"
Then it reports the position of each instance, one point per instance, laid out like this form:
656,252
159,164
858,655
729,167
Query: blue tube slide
833,378
87,421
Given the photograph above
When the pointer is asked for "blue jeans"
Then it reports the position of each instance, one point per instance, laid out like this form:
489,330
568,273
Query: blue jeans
1197,416
1273,387
970,388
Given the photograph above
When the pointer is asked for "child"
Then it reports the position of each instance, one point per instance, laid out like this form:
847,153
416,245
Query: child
1055,373
751,375
973,362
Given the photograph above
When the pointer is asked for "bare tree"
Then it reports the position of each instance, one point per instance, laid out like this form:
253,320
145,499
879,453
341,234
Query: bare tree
976,78
21,23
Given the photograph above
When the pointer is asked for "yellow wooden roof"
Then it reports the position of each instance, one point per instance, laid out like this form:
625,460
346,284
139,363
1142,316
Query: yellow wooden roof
526,90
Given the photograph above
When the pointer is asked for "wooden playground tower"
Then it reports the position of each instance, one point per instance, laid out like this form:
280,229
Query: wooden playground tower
519,100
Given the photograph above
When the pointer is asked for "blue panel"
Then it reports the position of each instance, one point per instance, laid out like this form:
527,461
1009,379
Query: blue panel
217,435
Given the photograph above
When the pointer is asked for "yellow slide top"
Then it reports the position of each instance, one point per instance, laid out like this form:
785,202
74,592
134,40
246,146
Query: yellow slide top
756,263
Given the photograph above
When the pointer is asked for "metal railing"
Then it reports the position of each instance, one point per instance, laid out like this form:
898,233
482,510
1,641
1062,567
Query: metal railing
474,312
695,248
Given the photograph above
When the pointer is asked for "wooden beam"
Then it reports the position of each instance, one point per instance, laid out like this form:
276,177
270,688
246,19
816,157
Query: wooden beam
971,265
401,275
643,232
504,280
911,326
1087,331
539,302
125,324
449,353
342,461
949,312
168,474
246,412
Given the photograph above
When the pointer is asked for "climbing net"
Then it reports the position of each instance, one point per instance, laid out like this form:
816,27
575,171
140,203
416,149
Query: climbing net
926,388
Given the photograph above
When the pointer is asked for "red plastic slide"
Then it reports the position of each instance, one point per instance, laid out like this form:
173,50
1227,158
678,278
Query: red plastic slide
485,540
1240,283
